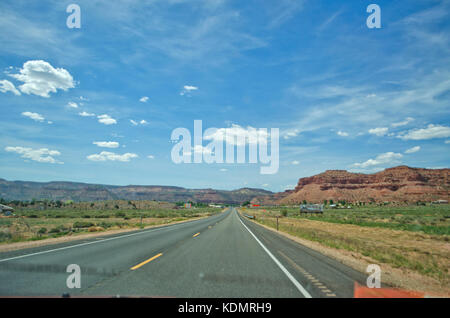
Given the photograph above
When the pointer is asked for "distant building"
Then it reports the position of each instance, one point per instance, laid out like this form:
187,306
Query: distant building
440,202
6,209
311,208
188,205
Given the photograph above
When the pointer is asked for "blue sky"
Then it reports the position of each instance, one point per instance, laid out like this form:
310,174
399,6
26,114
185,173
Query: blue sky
343,96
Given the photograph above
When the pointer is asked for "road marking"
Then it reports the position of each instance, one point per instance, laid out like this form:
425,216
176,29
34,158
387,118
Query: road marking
285,271
170,227
145,262
197,234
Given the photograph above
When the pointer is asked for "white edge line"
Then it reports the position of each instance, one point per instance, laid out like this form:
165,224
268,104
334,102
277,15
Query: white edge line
285,271
93,242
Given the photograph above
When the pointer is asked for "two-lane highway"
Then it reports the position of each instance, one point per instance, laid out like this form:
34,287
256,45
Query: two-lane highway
221,256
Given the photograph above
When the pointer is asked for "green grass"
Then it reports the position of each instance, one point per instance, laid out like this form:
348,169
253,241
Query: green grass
433,219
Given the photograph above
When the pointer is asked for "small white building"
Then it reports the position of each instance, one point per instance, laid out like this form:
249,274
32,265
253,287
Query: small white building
5,208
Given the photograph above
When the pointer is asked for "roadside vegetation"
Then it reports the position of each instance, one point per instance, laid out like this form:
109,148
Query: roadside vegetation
39,220
414,238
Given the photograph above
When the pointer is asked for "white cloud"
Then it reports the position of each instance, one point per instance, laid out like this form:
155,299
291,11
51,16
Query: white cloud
413,149
237,135
291,134
34,116
187,89
295,162
380,131
106,144
151,157
7,86
86,114
40,78
72,104
432,131
105,155
403,123
342,133
106,119
43,155
447,141
135,123
143,99
385,158
223,169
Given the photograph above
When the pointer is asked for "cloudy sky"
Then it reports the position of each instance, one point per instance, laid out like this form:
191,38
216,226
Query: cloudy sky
98,104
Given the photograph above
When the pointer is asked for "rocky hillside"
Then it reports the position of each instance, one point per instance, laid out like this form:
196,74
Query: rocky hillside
398,184
23,190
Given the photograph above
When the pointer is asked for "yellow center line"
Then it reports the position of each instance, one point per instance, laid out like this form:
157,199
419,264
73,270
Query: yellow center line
145,262
196,234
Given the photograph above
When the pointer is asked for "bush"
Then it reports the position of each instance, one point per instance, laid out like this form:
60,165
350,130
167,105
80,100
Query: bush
5,236
42,230
120,214
95,229
82,224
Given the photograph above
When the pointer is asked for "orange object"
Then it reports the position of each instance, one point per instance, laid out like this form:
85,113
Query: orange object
366,292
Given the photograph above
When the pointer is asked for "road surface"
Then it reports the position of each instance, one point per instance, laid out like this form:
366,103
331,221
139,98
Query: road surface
225,255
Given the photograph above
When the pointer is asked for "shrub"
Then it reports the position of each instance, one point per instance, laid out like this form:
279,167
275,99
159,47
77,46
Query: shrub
120,214
42,230
95,229
82,224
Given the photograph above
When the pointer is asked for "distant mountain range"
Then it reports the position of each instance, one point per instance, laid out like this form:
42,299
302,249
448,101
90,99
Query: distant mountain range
398,184
26,190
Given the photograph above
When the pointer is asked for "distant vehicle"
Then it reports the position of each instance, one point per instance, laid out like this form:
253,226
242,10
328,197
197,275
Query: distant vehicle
440,202
311,208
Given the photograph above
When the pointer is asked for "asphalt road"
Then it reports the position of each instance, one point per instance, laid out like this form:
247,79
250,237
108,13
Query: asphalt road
224,255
